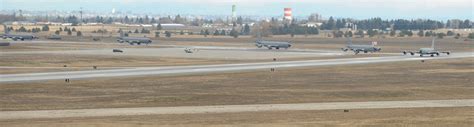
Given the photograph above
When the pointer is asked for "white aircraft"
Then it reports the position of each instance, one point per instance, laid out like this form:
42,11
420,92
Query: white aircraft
427,51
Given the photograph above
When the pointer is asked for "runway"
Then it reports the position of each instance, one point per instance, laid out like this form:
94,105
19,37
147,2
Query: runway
184,70
104,112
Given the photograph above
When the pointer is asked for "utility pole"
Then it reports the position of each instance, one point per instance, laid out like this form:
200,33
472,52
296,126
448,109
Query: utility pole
81,22
81,15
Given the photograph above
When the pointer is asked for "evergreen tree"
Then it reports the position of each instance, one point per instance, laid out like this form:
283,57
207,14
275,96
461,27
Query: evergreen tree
393,33
246,29
331,24
348,34
372,33
168,34
79,33
45,28
223,32
126,20
206,32
457,36
441,35
421,33
159,27
234,33
450,33
22,29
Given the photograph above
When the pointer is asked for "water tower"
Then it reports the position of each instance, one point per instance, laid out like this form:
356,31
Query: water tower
287,14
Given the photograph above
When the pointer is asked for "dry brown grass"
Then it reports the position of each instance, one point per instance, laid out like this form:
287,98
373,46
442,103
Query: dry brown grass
423,117
373,82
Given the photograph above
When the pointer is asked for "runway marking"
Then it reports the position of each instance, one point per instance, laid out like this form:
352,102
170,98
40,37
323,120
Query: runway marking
103,112
200,69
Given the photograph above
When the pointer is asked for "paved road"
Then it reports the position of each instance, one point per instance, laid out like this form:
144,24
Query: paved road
182,70
10,115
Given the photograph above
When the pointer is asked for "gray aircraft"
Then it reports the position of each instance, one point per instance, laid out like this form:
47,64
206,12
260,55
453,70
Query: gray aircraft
16,37
133,40
272,44
360,48
427,51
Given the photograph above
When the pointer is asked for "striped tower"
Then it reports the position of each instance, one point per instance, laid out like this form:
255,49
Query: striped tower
287,14
234,13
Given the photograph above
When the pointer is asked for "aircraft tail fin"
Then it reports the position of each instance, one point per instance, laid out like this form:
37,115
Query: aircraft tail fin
5,28
433,43
121,32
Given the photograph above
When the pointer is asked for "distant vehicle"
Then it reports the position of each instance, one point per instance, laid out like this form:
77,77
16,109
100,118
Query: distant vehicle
188,50
55,37
16,37
117,50
133,40
272,44
361,48
427,51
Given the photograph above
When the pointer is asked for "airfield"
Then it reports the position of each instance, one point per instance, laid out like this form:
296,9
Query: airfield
227,81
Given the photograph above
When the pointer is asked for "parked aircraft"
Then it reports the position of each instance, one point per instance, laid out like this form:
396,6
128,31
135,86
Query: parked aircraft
16,37
361,48
133,40
427,51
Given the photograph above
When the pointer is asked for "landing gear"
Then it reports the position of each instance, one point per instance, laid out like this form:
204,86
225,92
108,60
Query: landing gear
421,55
432,55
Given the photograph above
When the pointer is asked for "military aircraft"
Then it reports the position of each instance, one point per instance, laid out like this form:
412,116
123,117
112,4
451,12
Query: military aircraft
16,37
361,48
55,37
133,40
272,44
427,51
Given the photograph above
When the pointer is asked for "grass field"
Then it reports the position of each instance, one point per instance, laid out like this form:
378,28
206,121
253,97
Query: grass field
436,79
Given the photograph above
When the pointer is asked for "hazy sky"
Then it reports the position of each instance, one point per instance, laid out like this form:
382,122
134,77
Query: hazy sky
433,9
